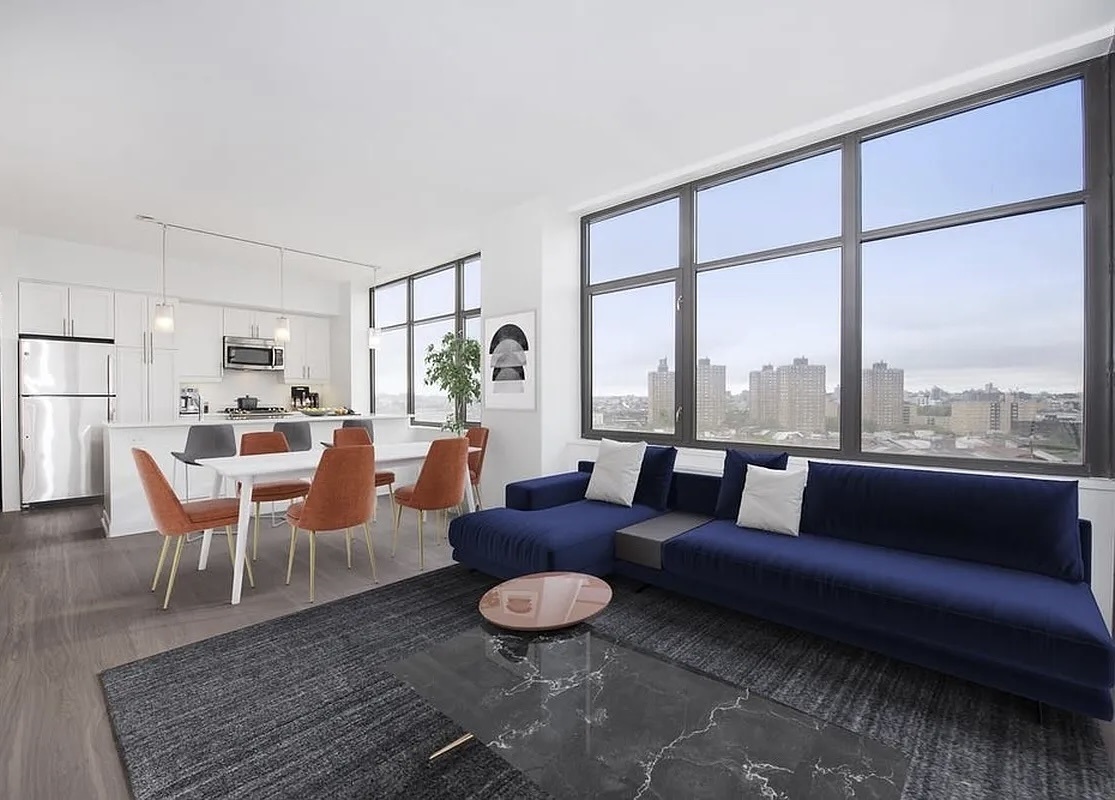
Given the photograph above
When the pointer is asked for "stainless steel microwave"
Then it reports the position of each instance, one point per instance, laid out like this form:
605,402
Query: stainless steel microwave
242,353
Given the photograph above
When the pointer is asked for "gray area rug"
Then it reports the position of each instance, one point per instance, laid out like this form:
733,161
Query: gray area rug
302,706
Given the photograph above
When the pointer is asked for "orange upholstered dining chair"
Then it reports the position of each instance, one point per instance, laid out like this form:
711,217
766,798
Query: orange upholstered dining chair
440,486
350,437
477,437
341,497
174,519
260,443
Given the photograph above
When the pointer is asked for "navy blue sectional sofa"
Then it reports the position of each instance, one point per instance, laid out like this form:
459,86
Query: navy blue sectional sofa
986,578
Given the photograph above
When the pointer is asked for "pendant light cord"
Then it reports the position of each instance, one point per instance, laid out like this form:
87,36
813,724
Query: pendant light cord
282,303
164,264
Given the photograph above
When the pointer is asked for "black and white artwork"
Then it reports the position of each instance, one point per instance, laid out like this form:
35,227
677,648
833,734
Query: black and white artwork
510,350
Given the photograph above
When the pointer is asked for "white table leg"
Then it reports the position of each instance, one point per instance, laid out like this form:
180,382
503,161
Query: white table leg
242,537
207,537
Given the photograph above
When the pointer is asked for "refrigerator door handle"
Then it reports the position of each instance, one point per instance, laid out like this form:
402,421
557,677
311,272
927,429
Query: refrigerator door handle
111,377
111,410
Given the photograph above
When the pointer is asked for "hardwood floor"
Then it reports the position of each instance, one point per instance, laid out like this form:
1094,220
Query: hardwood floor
73,603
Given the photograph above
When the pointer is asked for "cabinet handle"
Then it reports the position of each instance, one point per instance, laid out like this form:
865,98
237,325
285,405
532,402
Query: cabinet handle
63,326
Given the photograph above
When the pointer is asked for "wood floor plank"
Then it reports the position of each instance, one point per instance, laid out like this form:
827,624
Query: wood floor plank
73,603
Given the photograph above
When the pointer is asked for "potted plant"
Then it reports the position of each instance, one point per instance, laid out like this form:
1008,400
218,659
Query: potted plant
454,367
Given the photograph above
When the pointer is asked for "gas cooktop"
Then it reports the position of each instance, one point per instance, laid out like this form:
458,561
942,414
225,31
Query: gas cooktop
259,412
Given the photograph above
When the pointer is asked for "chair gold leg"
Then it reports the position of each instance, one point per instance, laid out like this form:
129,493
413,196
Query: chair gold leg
173,570
421,549
255,536
162,558
476,494
445,533
398,514
313,561
371,551
290,558
348,546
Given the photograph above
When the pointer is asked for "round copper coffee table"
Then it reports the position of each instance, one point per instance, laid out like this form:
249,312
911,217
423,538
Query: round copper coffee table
545,601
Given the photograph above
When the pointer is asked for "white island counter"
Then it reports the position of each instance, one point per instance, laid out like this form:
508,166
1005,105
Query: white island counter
125,506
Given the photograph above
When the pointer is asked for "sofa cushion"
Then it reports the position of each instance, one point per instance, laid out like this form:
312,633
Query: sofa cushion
735,474
1021,523
1021,619
615,475
655,476
546,492
576,536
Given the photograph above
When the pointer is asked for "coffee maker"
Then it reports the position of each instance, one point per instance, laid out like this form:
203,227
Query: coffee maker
189,403
302,397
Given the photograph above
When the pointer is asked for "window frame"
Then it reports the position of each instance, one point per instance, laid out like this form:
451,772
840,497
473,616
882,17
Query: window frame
458,317
1096,197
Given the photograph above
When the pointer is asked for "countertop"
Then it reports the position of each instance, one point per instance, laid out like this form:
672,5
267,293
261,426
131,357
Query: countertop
221,419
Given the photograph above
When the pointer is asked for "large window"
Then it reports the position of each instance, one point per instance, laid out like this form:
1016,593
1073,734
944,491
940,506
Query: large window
934,290
413,313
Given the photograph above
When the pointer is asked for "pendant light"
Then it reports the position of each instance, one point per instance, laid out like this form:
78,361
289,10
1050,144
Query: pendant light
282,324
164,311
373,332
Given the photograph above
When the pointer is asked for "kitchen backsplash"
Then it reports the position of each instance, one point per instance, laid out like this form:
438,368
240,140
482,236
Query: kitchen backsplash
267,386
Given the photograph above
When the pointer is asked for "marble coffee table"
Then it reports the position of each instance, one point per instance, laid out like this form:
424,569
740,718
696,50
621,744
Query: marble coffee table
545,601
583,716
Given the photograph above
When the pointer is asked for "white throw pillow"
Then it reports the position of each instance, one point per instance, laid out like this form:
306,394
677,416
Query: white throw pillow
616,472
772,499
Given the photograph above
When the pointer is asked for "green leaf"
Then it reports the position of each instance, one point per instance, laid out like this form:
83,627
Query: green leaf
454,367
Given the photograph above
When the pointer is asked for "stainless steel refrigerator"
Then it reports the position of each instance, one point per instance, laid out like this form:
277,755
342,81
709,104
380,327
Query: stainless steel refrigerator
67,394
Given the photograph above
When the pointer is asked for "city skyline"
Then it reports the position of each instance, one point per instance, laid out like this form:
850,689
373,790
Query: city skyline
789,404
833,386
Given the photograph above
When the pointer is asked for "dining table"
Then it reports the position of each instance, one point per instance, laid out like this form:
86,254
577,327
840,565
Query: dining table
246,471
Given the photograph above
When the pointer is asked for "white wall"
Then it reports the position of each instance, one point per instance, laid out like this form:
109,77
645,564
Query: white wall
530,263
36,257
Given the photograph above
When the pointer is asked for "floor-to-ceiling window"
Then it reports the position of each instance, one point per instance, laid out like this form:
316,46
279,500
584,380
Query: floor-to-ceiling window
932,290
411,314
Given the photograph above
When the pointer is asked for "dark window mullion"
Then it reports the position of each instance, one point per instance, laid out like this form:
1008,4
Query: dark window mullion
685,322
851,301
1099,292
410,348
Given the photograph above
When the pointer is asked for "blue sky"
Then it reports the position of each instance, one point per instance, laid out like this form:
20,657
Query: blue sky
1000,301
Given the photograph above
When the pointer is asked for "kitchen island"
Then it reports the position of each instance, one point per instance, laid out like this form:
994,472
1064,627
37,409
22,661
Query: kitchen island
125,506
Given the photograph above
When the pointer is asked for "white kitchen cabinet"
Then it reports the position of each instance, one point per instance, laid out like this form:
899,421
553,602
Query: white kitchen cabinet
146,385
318,349
199,342
44,309
162,386
308,351
131,385
131,320
249,323
294,351
92,313
50,309
135,322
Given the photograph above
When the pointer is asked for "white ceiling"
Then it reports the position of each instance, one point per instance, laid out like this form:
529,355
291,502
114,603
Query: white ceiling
388,131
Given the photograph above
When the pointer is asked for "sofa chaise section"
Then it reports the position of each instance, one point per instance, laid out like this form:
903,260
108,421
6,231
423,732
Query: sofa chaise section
547,526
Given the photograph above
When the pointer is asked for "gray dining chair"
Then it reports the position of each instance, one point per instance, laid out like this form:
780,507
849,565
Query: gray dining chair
204,441
361,423
297,435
